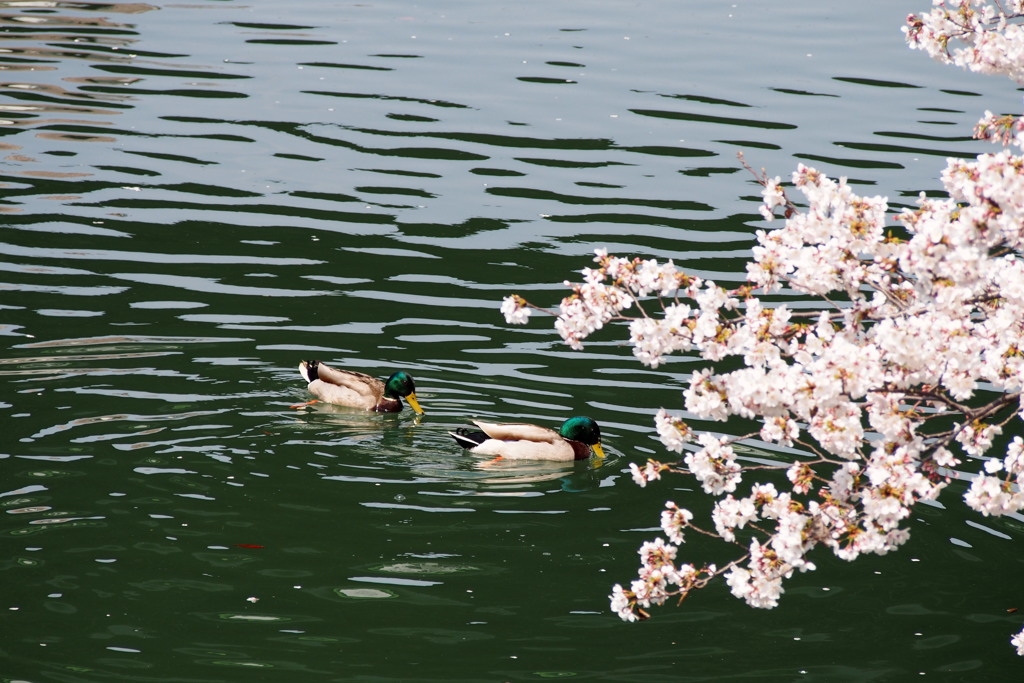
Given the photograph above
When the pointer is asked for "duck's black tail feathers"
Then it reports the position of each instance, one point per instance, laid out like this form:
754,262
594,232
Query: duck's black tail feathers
309,370
467,439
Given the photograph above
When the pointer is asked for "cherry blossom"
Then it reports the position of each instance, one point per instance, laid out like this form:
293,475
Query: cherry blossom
991,42
515,309
912,365
650,472
673,520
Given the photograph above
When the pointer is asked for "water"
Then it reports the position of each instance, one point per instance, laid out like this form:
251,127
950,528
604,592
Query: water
196,196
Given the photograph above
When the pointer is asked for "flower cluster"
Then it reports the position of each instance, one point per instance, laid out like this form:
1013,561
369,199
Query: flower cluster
660,577
974,34
913,362
867,386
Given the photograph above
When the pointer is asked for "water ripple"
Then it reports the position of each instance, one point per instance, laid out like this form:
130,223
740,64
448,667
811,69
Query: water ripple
187,218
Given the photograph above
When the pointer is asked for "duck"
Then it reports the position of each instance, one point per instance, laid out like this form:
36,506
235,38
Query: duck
356,390
574,440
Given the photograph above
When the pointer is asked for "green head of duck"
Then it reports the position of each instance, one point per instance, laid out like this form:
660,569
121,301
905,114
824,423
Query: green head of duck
584,430
399,386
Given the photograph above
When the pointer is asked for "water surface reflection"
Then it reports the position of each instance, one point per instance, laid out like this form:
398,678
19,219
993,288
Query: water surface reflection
197,196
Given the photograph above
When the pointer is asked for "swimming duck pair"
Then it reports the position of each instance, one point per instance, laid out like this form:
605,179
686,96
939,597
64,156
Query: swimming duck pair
514,441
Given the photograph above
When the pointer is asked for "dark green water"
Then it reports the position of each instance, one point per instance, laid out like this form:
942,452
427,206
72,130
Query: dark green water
196,196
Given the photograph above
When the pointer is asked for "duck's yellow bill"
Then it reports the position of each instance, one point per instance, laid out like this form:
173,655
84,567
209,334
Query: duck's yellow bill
598,451
411,398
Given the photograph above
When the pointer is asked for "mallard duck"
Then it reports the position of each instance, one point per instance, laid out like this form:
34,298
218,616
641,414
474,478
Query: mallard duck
356,390
518,441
